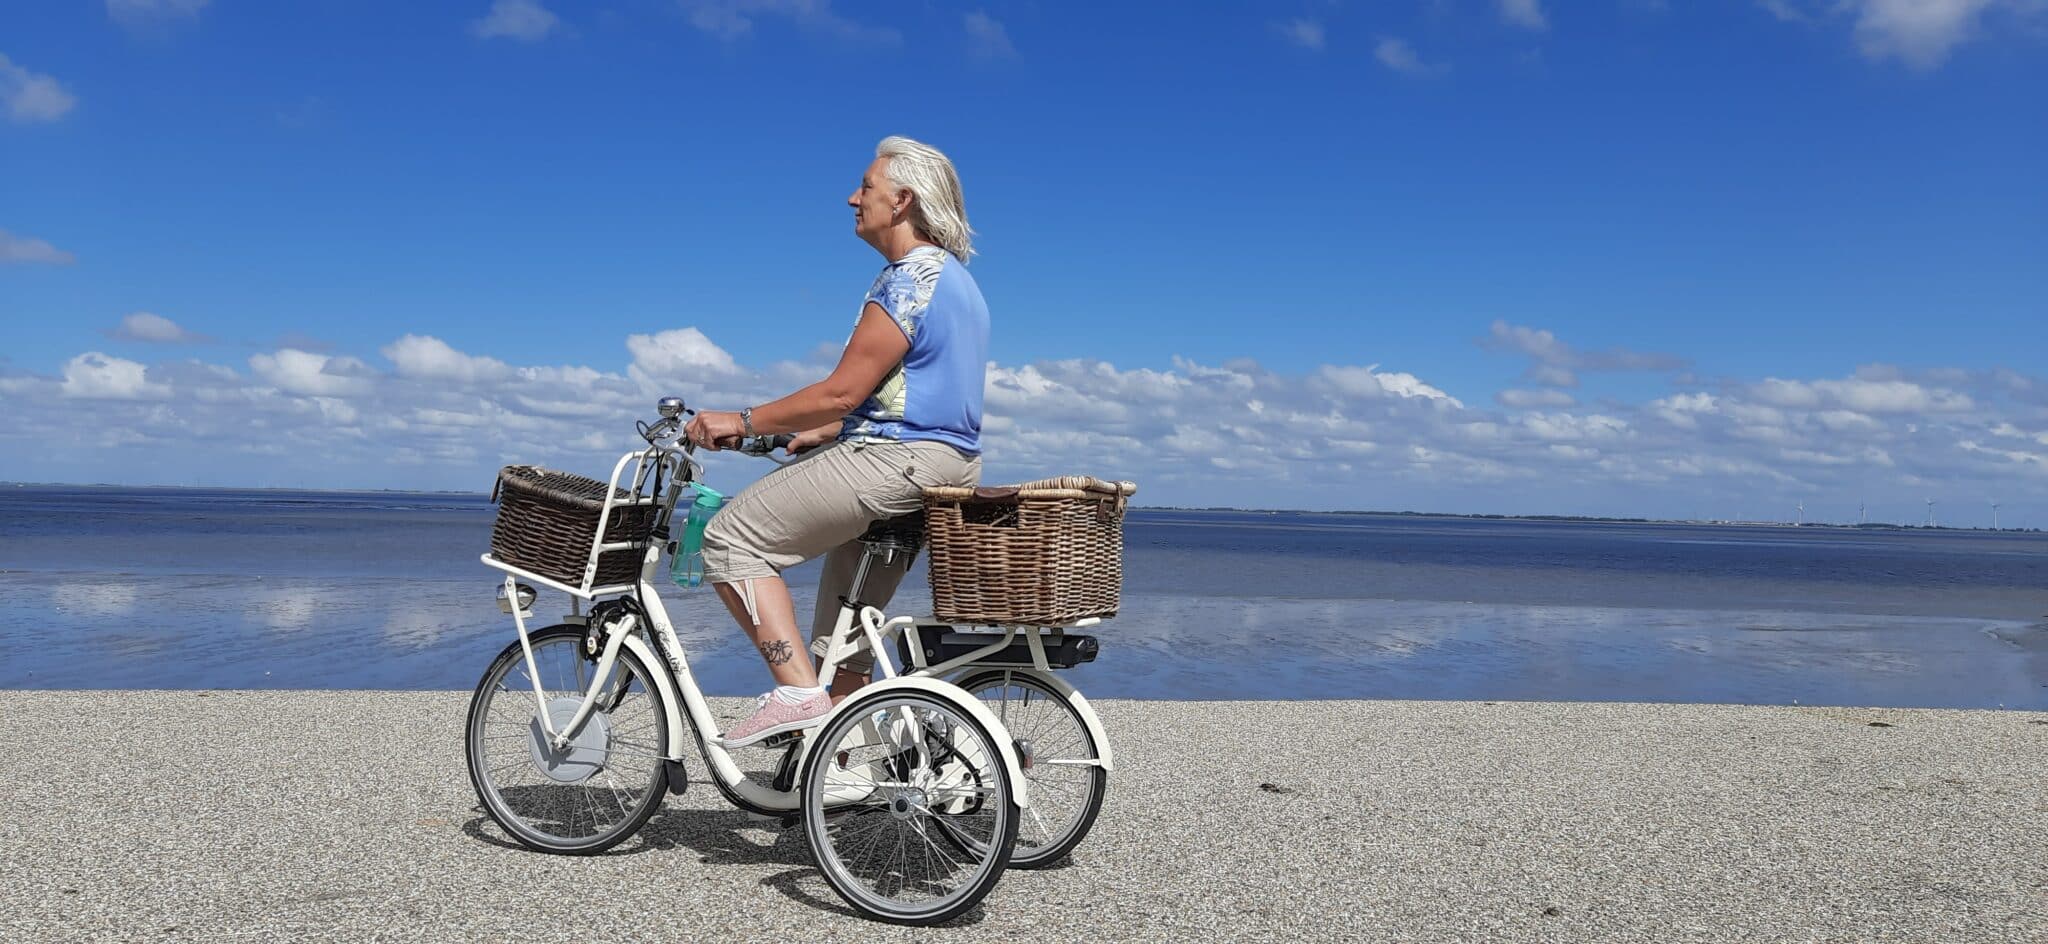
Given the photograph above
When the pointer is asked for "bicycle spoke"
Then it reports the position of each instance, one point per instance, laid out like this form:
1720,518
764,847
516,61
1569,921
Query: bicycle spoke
627,753
914,858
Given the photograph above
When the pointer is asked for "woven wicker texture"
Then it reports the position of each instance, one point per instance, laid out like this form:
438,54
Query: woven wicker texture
546,521
1038,553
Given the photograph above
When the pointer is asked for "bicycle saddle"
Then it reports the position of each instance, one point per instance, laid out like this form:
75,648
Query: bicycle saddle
902,533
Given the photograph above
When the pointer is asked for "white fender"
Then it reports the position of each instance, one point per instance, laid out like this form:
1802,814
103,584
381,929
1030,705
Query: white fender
672,705
1087,712
967,704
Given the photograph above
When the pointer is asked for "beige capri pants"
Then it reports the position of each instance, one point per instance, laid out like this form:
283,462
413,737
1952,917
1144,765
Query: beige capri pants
820,504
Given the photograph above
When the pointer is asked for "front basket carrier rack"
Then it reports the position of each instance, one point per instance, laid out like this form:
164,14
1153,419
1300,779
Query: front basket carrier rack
571,533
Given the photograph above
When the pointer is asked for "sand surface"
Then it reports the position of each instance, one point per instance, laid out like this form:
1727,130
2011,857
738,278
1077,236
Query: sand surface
349,816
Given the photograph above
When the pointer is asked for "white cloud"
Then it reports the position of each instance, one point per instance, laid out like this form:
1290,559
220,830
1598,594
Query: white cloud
1535,342
32,96
678,355
1527,14
1303,32
1784,11
1370,382
1790,393
1397,55
22,250
1191,433
1861,396
1525,399
986,37
1920,33
152,328
1552,427
731,19
430,358
96,376
1843,421
143,14
2007,429
310,374
523,20
1555,363
1551,375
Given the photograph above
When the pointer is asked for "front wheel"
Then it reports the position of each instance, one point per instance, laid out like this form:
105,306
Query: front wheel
1060,759
602,786
907,807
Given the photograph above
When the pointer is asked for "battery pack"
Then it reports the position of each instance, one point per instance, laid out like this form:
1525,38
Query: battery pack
1062,651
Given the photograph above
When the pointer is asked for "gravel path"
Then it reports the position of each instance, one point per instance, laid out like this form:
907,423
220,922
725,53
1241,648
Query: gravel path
348,816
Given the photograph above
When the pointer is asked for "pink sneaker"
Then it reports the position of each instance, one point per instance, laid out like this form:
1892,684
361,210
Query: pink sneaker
771,716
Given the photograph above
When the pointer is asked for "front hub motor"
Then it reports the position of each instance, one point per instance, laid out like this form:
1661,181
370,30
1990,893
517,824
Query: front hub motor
583,756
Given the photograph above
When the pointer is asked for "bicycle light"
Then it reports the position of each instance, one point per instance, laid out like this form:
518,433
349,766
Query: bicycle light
526,597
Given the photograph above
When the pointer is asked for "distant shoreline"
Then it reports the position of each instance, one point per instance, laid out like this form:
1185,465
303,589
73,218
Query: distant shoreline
1212,509
1598,519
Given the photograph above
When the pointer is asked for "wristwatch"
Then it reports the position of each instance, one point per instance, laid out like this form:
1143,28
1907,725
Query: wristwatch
747,420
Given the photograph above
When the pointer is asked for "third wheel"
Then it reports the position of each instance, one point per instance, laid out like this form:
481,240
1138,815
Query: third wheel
1059,757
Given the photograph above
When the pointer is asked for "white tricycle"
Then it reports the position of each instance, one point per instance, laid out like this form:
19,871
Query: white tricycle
914,794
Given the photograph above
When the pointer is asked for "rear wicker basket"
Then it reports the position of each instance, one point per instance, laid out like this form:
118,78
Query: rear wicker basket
1038,554
546,522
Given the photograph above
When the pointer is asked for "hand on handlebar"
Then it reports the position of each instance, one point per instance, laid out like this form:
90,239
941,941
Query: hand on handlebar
813,438
714,430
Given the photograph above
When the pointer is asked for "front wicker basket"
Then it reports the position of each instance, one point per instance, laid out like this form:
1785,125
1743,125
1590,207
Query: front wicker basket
547,519
1041,553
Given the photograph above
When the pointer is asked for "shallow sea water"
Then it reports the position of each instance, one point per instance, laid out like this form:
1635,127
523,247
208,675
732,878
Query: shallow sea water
183,588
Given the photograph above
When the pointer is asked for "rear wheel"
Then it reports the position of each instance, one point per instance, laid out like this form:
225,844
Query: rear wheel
599,789
907,807
1058,755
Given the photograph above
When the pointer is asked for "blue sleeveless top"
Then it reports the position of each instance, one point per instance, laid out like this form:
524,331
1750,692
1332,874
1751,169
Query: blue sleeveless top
935,394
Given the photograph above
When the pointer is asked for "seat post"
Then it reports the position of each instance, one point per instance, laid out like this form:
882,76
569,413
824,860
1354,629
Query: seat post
851,602
882,541
860,575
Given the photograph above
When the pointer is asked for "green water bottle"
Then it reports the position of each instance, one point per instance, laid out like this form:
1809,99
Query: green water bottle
686,565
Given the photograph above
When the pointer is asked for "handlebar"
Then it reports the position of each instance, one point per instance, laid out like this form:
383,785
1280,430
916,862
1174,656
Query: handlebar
764,445
666,450
671,424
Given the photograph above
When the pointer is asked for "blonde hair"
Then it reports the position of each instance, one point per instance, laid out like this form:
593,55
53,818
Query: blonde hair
939,212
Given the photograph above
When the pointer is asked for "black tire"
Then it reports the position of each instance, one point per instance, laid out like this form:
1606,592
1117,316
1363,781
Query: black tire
1035,849
995,808
488,791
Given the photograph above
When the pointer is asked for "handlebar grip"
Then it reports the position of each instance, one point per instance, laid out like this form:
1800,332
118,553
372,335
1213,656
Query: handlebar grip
764,445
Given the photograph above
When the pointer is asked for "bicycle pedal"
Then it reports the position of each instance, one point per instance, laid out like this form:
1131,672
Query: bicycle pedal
784,739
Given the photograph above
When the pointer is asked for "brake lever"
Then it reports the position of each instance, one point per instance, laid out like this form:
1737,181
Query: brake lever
660,429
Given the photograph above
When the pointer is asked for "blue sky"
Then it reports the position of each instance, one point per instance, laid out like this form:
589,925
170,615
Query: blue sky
1460,255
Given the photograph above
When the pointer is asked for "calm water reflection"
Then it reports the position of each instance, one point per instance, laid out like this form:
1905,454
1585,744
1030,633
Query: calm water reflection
204,588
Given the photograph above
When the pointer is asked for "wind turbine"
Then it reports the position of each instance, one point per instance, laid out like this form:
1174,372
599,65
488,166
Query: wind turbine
1861,516
1994,514
1802,513
1930,512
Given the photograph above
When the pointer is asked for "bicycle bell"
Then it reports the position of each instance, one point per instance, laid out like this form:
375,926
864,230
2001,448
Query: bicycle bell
670,407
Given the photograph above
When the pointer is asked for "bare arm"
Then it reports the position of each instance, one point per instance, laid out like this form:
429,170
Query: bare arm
878,345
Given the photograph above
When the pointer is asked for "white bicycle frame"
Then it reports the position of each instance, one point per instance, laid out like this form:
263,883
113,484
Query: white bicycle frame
683,699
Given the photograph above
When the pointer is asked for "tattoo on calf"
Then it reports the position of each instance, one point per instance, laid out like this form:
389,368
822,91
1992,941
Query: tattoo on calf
776,651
